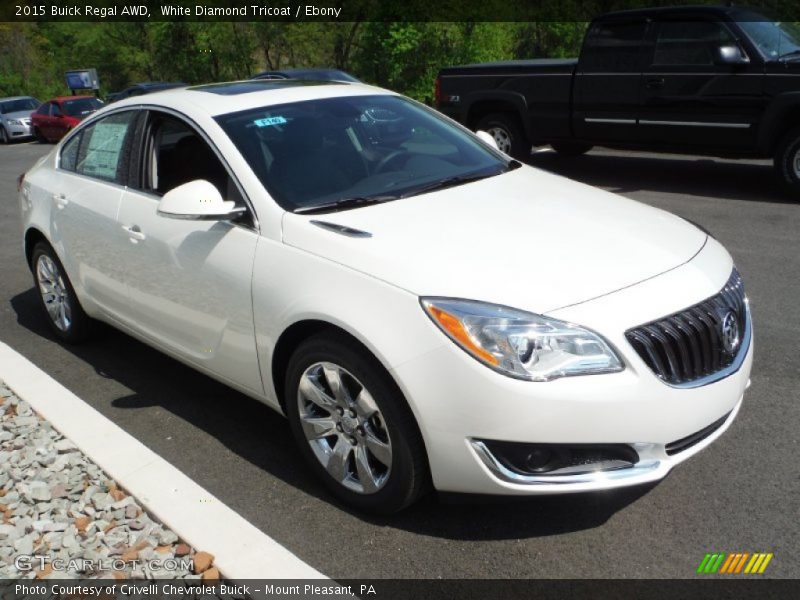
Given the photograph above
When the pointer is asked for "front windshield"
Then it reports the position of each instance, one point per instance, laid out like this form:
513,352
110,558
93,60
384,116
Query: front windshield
19,105
80,107
320,152
774,39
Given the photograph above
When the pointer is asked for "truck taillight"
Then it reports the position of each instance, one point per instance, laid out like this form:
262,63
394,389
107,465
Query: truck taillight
437,93
20,180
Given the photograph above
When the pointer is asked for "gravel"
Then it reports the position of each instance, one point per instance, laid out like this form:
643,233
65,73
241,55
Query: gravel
57,505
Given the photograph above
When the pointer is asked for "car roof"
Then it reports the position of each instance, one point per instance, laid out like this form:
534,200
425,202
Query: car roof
65,98
661,11
17,98
234,96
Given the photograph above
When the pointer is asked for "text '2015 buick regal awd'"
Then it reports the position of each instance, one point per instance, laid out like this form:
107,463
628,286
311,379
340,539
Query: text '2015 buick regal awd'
423,309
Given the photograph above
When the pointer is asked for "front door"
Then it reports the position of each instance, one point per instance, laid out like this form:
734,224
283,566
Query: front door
690,99
189,281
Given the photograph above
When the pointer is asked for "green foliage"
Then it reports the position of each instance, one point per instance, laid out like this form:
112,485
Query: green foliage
397,55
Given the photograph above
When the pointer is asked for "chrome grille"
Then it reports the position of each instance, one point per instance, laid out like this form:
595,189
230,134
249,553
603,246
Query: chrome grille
694,345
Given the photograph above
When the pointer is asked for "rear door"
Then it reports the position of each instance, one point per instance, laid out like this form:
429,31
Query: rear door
607,81
94,167
58,124
689,98
43,119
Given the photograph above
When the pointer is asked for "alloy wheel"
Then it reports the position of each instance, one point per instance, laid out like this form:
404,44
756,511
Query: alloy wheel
344,427
501,138
54,292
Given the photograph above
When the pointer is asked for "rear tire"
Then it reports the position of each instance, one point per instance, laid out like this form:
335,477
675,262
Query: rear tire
571,148
363,442
57,297
507,131
787,162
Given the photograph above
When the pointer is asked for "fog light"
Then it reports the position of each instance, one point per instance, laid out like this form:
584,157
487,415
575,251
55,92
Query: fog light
561,459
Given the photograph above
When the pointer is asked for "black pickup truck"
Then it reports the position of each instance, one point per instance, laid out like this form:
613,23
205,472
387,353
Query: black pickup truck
720,81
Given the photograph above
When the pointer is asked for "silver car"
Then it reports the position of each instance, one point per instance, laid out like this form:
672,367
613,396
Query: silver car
15,117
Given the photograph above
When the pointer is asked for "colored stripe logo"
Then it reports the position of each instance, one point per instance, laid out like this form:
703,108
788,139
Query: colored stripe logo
735,563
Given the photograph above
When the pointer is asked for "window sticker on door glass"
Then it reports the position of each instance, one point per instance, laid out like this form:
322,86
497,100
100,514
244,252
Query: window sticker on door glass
270,121
105,144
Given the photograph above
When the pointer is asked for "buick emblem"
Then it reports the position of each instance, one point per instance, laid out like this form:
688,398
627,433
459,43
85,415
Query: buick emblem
730,333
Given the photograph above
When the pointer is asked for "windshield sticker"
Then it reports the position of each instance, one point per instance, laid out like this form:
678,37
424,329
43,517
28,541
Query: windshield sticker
270,121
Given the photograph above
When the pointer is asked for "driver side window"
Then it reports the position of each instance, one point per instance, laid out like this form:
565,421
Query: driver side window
176,154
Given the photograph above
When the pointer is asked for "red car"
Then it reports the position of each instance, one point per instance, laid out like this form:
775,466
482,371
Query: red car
56,117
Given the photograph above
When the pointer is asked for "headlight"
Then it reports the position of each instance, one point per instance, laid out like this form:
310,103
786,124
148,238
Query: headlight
15,122
519,343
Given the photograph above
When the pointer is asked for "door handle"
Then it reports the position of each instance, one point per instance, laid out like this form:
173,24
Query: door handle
134,233
60,200
654,83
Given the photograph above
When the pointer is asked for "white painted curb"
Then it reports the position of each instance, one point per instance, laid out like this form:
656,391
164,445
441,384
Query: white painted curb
241,550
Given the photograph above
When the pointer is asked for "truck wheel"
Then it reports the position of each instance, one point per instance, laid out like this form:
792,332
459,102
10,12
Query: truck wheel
787,160
571,148
507,132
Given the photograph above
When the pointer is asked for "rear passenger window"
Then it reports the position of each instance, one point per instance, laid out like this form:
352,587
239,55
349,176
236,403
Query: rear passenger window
69,154
613,47
103,152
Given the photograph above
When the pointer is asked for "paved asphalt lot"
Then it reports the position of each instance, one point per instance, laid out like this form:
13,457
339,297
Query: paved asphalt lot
741,494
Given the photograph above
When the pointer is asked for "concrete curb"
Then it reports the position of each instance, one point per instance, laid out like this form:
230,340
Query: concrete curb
241,550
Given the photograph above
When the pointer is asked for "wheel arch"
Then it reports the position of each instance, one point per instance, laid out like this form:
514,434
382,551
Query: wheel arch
33,236
300,331
781,116
480,104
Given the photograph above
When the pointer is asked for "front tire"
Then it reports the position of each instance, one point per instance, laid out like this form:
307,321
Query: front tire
353,425
57,296
508,134
38,135
4,136
787,161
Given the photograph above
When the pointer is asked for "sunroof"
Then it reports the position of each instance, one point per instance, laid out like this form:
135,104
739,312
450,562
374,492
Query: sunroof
257,85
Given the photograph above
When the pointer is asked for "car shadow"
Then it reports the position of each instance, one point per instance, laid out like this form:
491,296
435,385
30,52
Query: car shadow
260,436
690,175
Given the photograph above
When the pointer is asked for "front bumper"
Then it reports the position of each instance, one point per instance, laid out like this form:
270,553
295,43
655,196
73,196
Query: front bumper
18,132
459,402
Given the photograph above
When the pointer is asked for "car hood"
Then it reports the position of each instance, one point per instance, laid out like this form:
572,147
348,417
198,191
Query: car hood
20,114
526,239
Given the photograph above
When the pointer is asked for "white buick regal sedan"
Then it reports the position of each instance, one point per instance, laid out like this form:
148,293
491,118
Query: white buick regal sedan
424,310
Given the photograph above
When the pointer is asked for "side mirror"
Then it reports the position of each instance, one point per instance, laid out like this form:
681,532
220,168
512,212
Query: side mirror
197,200
730,55
488,138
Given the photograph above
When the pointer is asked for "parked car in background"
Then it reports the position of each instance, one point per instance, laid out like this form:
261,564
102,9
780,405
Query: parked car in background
315,74
15,117
140,89
56,117
461,319
720,81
